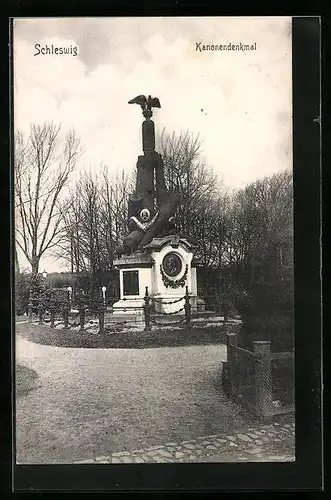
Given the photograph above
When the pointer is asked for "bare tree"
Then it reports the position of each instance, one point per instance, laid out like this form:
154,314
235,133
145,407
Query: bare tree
262,244
43,163
187,175
95,219
261,217
71,247
204,201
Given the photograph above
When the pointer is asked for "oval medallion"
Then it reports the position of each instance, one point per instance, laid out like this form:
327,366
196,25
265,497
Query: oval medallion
172,264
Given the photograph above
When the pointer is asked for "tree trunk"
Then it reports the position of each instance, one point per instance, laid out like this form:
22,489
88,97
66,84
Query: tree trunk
17,264
71,253
35,265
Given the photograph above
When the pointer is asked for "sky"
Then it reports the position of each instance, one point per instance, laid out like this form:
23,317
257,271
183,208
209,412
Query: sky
240,103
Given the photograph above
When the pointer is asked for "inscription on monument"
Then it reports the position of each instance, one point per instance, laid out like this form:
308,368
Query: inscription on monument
130,283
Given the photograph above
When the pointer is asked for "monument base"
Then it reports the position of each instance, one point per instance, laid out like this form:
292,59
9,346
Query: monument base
165,269
129,306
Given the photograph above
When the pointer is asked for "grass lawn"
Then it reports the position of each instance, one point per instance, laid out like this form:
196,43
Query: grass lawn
127,339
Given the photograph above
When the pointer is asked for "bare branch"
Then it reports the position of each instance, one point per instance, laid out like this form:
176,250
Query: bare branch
42,168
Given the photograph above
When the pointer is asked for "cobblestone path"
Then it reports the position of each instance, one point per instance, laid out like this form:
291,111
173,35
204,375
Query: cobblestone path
264,443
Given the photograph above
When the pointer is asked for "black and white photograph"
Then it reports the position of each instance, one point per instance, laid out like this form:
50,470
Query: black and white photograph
154,237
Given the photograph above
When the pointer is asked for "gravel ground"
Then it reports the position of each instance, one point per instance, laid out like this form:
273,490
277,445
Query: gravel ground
92,402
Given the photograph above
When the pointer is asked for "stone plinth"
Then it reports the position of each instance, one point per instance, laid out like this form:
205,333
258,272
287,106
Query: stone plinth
168,288
166,268
135,274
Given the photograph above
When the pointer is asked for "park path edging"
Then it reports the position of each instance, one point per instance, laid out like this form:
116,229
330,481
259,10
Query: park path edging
253,441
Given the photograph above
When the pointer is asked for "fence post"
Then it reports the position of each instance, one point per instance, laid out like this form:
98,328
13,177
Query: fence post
102,318
52,317
70,298
187,307
66,309
103,290
263,377
66,316
231,341
40,311
102,323
30,306
52,311
226,308
147,310
82,316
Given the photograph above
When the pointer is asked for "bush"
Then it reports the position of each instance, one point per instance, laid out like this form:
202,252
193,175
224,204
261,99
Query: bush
25,282
277,328
61,280
22,293
266,309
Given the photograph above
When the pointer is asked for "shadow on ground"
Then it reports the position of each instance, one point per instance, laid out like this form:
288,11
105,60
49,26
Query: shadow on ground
160,337
25,380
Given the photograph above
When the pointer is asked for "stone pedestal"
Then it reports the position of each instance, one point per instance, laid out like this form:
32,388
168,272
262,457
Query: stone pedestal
135,274
166,268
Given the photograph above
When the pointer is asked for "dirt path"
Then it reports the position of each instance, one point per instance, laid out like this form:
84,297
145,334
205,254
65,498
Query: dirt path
92,402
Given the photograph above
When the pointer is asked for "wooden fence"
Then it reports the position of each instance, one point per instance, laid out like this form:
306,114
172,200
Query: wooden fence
260,380
62,304
53,307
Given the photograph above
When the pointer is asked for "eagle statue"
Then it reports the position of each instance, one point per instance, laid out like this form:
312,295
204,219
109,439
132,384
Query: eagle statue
146,103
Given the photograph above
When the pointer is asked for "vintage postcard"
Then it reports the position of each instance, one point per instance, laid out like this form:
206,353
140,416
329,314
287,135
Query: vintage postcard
153,194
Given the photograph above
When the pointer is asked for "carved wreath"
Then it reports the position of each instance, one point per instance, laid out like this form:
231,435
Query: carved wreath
173,283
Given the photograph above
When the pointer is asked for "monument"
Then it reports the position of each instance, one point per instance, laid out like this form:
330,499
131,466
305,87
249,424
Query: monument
154,254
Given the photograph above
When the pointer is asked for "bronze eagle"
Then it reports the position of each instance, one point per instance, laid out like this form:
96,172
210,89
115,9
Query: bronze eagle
146,102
